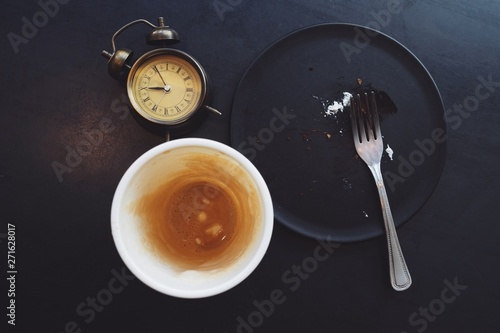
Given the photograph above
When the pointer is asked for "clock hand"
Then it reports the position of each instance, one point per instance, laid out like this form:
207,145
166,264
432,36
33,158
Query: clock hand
156,88
161,77
156,105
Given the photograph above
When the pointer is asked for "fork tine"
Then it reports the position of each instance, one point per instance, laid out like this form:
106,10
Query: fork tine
354,121
361,120
375,118
368,119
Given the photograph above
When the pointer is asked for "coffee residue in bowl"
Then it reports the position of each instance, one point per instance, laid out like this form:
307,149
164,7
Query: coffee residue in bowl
201,218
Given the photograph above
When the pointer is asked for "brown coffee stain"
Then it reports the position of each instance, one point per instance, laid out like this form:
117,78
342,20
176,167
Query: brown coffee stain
203,217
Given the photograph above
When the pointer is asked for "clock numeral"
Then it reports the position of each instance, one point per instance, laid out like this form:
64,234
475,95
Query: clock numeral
149,104
178,109
144,94
178,70
189,90
187,78
146,99
144,82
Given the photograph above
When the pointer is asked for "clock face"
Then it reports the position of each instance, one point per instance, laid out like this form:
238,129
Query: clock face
166,86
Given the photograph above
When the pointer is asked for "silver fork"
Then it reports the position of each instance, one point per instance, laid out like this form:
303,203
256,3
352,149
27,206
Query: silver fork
368,142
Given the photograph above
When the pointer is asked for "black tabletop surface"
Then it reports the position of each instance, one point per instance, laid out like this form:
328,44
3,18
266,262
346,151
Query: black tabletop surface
67,137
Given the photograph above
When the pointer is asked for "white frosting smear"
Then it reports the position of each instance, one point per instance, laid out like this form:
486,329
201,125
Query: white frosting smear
389,151
331,108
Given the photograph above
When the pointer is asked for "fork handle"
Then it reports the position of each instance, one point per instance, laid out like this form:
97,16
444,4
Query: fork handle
400,276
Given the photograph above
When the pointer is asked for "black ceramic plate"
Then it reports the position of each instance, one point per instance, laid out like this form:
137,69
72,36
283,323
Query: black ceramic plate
320,187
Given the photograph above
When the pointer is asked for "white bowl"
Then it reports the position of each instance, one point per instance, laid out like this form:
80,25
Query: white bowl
144,174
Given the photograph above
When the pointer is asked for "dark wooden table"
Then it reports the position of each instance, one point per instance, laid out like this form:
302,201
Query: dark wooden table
56,93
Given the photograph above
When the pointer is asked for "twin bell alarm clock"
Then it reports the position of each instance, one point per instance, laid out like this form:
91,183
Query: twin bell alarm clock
168,88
